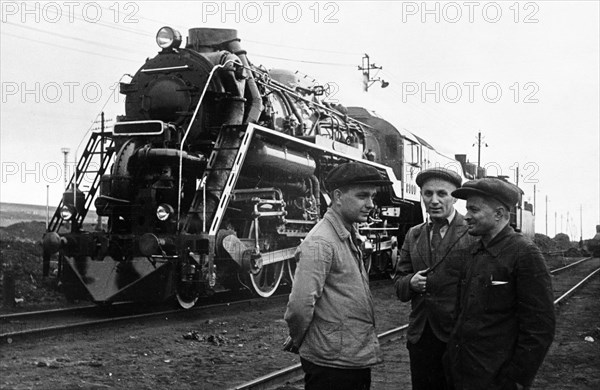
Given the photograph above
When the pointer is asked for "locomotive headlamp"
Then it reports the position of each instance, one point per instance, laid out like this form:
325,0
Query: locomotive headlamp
164,211
68,212
168,38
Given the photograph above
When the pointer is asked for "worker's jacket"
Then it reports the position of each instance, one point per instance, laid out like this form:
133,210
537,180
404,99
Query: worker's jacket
506,315
330,310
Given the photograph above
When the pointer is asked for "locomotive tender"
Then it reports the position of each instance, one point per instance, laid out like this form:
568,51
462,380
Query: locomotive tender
215,174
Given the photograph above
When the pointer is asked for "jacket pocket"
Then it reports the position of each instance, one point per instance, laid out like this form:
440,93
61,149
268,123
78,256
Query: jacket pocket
359,340
325,338
499,296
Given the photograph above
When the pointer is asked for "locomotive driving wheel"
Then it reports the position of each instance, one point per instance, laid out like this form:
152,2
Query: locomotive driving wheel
290,270
267,279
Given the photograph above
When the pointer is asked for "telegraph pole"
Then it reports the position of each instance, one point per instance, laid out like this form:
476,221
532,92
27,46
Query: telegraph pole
479,142
366,68
534,202
47,205
561,222
580,223
65,151
546,214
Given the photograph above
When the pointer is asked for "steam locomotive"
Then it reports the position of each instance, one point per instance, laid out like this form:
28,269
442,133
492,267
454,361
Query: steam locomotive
215,174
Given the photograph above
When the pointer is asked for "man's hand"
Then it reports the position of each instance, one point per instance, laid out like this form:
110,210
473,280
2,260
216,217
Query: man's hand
419,281
288,345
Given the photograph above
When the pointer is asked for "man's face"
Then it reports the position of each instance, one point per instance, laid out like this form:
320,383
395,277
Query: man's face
436,196
481,216
355,202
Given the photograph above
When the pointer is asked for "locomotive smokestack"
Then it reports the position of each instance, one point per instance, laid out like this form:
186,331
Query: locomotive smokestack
210,39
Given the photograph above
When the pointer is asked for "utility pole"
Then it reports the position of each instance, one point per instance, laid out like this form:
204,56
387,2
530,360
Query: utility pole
65,151
534,202
580,223
367,67
555,215
561,222
47,206
479,141
546,214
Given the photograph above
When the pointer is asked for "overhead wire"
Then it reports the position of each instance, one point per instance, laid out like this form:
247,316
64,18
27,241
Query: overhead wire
304,48
303,61
126,49
104,55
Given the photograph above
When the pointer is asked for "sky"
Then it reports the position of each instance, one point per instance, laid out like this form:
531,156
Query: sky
523,74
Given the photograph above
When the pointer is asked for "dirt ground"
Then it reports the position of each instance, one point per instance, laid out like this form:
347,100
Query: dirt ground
573,361
218,352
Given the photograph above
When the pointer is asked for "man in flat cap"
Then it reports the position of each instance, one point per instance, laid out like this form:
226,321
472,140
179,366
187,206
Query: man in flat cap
506,312
427,274
330,311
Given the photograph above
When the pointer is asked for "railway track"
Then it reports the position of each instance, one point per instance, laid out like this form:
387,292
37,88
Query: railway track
293,374
45,323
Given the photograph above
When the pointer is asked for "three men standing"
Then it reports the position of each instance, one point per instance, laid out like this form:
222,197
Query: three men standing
428,273
482,308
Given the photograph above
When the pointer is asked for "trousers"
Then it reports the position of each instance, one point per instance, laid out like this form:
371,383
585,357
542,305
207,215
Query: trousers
426,364
328,378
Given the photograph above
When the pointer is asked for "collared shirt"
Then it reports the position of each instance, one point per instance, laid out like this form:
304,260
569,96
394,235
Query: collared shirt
444,227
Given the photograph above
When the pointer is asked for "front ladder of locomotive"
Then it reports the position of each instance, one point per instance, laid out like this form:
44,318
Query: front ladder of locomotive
78,195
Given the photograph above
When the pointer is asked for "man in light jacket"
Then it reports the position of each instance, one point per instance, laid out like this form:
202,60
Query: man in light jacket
330,311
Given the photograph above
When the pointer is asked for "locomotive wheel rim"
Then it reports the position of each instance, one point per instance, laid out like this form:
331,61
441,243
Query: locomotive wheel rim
186,302
266,281
290,270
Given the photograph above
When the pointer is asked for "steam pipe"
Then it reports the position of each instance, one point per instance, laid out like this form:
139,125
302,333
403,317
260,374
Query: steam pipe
146,153
256,106
210,76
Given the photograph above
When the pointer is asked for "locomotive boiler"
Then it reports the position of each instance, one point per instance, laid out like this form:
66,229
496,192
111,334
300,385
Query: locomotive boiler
215,174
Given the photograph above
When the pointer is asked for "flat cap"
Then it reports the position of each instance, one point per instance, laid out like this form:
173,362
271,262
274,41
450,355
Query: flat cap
438,173
493,187
354,173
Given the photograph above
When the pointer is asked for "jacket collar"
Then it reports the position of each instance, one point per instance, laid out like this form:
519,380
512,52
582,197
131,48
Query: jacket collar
456,230
338,225
496,245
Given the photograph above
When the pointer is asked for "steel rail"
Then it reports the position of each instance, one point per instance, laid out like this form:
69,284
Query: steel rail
41,313
557,270
294,373
9,337
565,295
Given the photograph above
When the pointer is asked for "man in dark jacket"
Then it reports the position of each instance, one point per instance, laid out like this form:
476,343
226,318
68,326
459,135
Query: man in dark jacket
506,320
427,274
330,312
